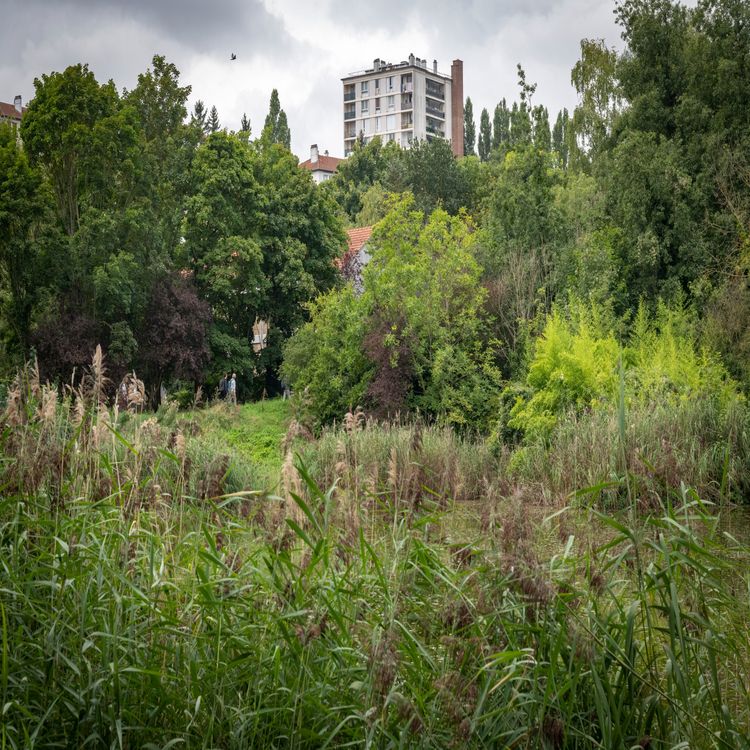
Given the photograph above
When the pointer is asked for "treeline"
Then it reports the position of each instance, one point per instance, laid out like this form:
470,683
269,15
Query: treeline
164,238
507,289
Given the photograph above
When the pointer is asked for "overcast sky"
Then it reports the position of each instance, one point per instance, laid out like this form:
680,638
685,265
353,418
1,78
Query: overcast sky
302,48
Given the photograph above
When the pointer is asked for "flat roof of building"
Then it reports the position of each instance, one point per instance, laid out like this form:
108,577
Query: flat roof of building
401,66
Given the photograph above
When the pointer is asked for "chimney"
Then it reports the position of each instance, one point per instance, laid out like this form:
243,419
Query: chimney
314,153
434,66
457,107
411,58
325,153
17,103
376,64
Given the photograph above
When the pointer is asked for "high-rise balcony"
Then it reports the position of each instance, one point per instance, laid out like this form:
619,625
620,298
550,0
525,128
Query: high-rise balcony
436,92
349,115
349,96
434,111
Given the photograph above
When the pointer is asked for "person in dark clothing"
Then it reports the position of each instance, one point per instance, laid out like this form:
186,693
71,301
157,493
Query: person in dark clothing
223,387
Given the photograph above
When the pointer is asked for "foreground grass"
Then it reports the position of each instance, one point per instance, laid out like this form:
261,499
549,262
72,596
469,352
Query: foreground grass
191,627
152,596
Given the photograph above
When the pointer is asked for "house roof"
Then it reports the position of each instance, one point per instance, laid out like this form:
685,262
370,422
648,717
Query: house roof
356,239
324,164
10,111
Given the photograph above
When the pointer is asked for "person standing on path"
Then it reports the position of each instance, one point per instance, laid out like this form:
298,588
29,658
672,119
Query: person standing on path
223,387
232,390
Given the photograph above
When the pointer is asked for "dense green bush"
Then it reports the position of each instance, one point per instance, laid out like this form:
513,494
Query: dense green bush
576,361
415,339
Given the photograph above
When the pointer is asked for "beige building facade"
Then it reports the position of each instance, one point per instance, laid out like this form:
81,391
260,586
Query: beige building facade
402,102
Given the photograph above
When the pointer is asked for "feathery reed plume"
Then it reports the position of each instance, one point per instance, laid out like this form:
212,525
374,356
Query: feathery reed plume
354,420
48,406
136,393
14,414
96,379
180,446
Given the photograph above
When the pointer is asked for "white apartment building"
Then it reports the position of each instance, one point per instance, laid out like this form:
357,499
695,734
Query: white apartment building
403,102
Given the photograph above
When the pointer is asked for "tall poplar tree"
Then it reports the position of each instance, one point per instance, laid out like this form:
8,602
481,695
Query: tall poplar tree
560,135
470,128
542,136
485,135
501,125
213,121
199,116
276,127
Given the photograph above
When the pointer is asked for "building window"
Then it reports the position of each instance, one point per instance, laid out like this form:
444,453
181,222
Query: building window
377,104
391,103
377,86
365,106
364,88
390,83
377,124
367,126
390,122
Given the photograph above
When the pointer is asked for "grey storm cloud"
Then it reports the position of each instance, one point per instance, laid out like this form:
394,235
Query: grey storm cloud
200,25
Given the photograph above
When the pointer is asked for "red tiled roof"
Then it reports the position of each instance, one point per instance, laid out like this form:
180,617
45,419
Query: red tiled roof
10,111
356,238
324,164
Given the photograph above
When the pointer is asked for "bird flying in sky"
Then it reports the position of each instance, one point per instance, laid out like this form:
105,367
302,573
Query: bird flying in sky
233,56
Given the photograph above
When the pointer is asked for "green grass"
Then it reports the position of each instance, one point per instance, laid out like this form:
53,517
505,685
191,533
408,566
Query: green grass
254,432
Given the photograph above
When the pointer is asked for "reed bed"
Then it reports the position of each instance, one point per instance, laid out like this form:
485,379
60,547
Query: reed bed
204,615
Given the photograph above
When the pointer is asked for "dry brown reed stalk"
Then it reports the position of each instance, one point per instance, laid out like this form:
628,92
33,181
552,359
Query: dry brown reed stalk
101,428
490,500
35,387
198,397
393,475
79,407
516,531
292,483
294,431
